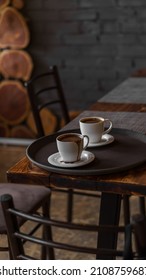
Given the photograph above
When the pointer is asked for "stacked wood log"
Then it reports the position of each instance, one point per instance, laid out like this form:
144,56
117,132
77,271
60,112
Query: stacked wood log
16,67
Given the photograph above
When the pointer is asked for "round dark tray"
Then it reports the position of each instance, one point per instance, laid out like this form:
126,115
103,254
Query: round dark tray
128,150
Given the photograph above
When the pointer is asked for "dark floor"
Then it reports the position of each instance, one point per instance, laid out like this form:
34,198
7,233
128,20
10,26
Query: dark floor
85,210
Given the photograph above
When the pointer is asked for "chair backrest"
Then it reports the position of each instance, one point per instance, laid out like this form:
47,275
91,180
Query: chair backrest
46,90
17,236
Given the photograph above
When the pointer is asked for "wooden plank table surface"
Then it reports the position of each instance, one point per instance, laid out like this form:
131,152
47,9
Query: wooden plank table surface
112,186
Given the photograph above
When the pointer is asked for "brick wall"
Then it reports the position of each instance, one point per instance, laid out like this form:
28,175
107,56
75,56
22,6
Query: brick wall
95,43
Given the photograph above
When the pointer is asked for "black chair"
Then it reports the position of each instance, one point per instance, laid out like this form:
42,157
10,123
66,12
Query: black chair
17,236
28,198
46,90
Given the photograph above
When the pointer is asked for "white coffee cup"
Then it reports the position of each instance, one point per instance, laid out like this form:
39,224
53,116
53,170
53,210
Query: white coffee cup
71,145
94,128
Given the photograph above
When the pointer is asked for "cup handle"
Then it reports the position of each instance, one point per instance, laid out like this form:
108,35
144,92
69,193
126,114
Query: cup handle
110,126
87,141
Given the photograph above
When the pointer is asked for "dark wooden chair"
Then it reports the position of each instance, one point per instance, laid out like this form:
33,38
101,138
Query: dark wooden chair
46,91
17,236
28,198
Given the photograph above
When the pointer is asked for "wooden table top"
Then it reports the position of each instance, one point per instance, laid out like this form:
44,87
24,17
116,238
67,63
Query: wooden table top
132,181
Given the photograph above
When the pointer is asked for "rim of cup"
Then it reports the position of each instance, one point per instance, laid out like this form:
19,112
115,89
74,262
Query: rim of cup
59,137
94,117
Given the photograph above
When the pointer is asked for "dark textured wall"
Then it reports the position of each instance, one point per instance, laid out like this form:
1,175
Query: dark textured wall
95,43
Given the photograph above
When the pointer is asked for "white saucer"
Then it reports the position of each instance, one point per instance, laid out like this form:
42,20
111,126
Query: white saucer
86,158
105,140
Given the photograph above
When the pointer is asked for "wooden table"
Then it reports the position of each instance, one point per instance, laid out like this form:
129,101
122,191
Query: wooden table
112,186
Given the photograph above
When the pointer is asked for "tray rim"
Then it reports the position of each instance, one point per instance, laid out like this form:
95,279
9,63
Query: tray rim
75,171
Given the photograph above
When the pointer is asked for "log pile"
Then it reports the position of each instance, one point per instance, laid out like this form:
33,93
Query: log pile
14,32
16,67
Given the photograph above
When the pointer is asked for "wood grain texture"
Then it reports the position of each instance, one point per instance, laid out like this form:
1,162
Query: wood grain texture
4,3
118,107
15,96
14,32
16,64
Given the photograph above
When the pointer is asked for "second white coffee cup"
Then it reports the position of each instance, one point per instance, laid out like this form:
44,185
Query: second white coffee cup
71,145
94,128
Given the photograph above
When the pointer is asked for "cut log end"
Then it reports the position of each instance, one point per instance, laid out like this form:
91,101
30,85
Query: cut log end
49,122
4,3
21,131
17,4
4,130
14,32
14,95
16,64
72,114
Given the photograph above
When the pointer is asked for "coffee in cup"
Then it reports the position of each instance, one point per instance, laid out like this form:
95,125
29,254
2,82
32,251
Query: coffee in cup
71,145
94,128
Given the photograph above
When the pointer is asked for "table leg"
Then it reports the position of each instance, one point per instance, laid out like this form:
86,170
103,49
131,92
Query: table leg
109,215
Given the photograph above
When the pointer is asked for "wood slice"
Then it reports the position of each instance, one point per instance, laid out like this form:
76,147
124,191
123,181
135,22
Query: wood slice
49,121
16,64
18,4
14,32
4,3
21,131
14,103
4,130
